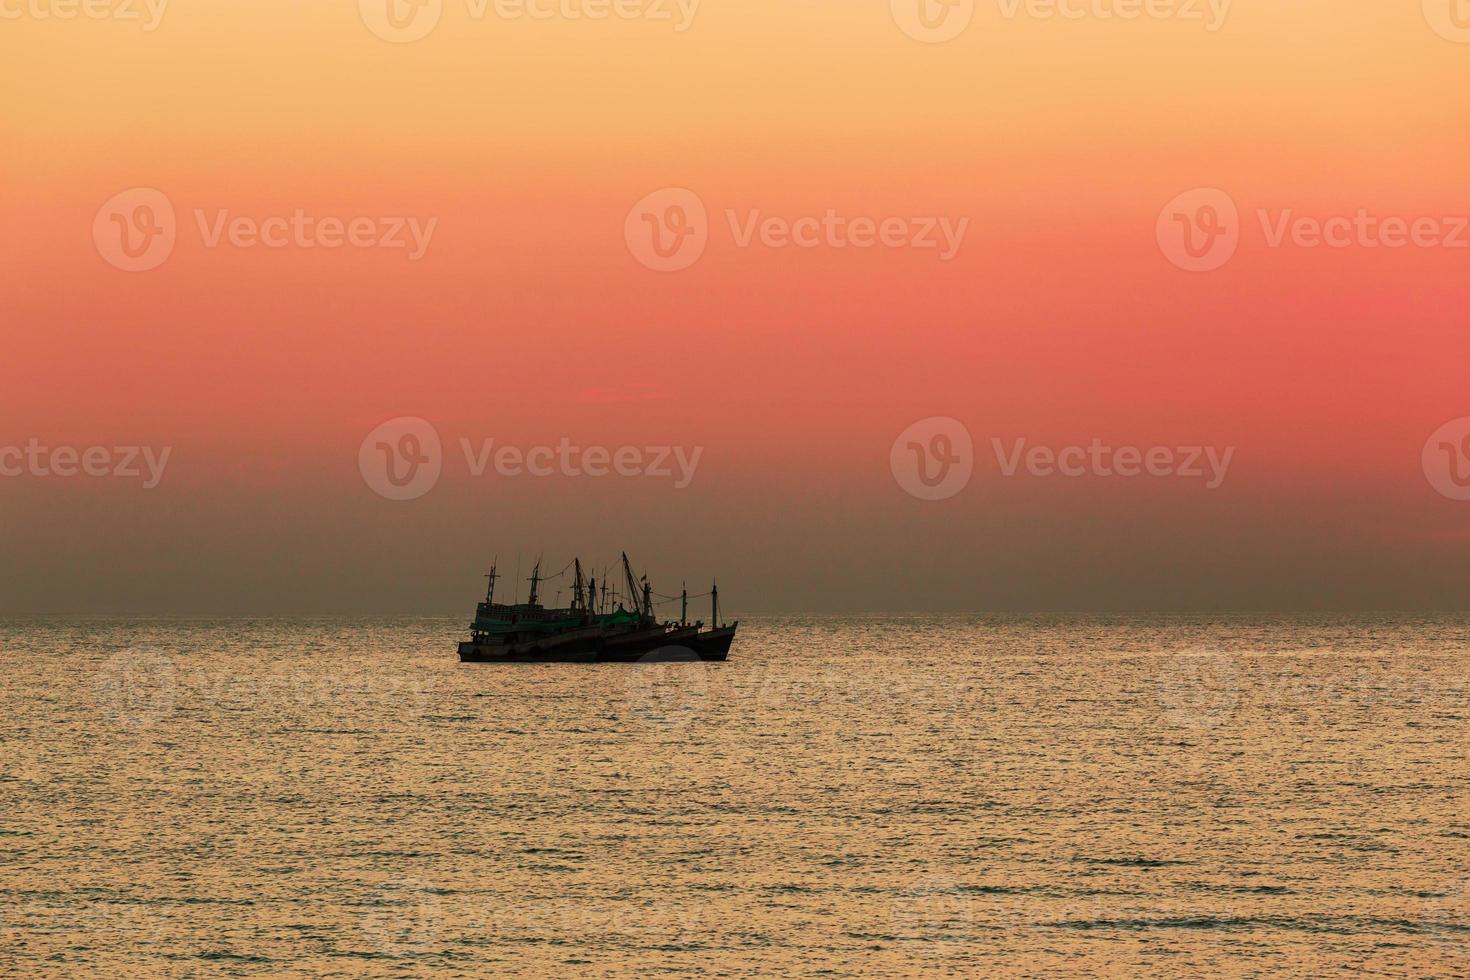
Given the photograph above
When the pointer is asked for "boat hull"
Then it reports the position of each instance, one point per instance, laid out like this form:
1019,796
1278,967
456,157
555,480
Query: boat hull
683,644
714,644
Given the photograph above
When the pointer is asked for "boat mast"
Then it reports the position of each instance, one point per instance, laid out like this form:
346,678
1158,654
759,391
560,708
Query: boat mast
490,592
647,599
632,584
577,587
535,581
714,601
684,604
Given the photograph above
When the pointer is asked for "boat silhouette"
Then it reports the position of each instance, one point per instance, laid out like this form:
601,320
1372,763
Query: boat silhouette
595,628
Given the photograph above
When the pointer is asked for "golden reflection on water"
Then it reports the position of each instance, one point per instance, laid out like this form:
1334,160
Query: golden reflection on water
881,797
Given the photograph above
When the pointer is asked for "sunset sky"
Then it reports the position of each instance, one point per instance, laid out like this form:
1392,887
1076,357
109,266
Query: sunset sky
524,144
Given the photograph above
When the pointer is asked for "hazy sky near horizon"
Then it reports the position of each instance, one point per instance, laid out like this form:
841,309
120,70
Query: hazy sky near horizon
773,237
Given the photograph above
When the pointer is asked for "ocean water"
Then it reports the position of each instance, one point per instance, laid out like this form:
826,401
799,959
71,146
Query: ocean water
877,796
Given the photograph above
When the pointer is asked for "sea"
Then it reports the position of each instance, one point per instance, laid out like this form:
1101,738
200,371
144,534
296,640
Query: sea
877,796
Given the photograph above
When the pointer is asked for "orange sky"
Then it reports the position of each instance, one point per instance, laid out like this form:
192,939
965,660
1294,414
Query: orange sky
528,319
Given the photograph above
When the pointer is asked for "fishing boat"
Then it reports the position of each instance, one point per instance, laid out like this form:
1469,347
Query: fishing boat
596,627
